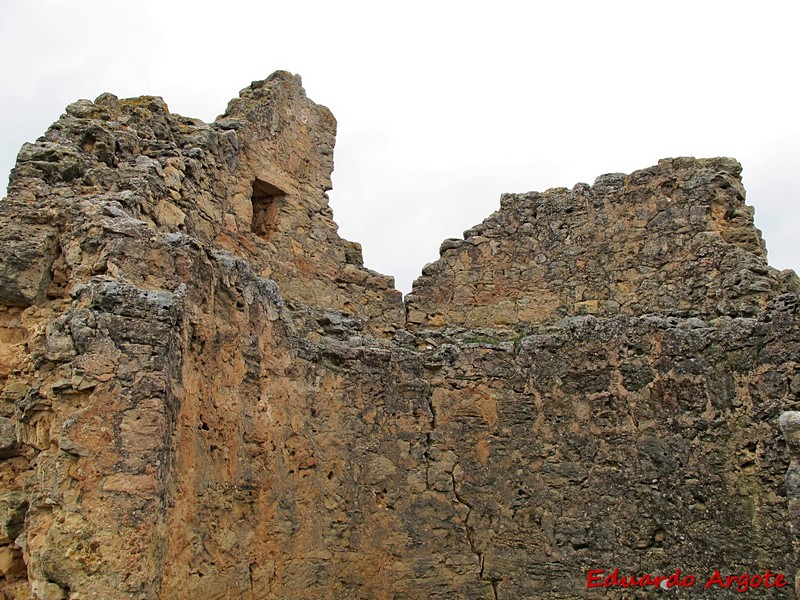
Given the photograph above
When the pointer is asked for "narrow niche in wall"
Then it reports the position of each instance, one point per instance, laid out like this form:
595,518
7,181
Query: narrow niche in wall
267,200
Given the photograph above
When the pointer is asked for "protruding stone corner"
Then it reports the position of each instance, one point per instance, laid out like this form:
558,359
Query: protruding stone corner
286,138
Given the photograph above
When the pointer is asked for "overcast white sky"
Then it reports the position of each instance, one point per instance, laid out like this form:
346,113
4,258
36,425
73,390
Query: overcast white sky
442,106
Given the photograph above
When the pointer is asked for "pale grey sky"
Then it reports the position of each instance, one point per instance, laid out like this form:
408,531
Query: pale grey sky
442,106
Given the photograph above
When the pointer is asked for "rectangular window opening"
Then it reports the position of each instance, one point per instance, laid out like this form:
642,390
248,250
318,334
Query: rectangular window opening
267,200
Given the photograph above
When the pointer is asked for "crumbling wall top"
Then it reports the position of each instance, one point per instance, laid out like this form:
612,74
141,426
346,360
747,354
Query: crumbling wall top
676,239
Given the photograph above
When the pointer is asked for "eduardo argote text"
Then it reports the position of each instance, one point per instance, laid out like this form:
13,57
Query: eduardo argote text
600,578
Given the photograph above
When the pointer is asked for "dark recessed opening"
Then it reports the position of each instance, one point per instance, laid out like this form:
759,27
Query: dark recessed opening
267,200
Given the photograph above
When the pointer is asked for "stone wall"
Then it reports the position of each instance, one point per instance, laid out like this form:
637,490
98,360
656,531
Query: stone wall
205,394
676,239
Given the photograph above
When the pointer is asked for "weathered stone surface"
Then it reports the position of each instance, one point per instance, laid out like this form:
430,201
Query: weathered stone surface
674,239
205,394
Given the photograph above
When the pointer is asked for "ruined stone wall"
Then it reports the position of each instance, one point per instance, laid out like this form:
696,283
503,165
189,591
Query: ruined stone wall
674,239
205,394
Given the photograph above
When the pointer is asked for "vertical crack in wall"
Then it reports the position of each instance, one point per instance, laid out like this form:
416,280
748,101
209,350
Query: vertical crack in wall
429,441
469,531
427,456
